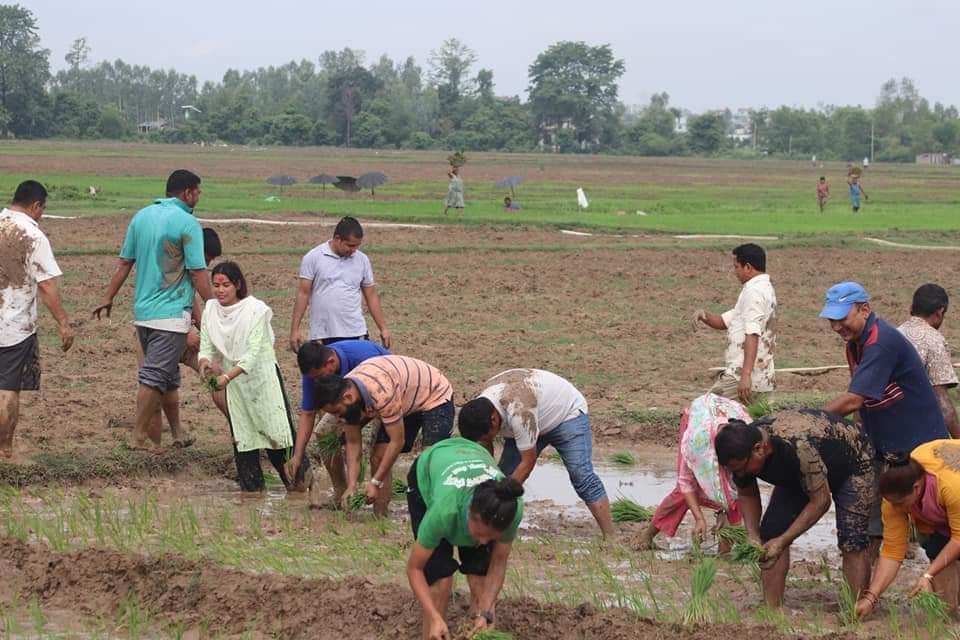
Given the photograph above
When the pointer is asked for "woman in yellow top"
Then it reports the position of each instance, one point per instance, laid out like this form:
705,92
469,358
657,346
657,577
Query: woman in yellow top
923,487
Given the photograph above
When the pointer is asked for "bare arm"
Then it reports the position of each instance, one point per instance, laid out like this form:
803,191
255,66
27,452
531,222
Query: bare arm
714,321
749,500
818,505
496,573
373,304
299,308
305,425
392,451
119,277
50,295
418,584
201,283
948,410
844,404
354,444
528,460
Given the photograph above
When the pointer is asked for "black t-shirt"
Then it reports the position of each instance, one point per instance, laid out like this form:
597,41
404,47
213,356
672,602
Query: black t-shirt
810,447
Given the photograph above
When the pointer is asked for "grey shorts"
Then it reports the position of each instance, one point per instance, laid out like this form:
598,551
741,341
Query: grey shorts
20,366
162,351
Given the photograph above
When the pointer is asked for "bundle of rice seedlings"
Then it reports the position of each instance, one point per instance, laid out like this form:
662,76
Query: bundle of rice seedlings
491,634
627,510
759,408
327,444
699,609
210,382
623,458
932,607
357,501
848,605
747,552
732,535
399,488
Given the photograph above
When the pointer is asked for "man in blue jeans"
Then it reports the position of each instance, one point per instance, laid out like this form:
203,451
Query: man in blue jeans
533,409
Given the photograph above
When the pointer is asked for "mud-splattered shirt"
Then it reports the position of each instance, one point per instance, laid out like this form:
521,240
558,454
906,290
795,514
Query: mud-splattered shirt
532,402
396,386
810,448
754,314
447,474
25,259
165,241
933,350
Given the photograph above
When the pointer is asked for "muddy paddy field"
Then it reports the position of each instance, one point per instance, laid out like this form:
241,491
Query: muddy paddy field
101,541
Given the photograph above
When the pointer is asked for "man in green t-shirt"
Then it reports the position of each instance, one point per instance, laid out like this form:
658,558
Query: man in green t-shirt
458,497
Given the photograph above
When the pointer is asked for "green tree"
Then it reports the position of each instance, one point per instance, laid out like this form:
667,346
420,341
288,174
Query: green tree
111,124
24,70
574,85
707,132
449,68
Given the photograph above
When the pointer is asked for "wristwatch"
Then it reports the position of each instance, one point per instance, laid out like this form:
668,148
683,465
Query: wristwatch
486,615
377,483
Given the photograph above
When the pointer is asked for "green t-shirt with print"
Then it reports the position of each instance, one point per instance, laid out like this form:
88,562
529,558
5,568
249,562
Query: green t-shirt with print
447,473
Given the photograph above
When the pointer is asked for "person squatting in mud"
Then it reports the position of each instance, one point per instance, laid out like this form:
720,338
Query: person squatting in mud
408,395
922,489
533,409
458,497
808,456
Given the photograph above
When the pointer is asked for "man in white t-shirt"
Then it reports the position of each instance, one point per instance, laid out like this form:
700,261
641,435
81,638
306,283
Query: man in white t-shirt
333,278
27,268
534,409
751,328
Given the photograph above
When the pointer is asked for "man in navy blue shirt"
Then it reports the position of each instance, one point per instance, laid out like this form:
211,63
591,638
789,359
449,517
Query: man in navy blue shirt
889,386
318,361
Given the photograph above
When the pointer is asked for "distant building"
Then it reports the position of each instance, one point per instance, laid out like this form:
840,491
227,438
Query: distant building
935,158
152,125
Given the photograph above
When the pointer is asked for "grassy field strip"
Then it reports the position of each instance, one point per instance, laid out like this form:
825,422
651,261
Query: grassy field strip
904,245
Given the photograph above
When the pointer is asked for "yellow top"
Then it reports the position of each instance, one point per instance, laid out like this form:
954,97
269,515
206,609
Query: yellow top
941,459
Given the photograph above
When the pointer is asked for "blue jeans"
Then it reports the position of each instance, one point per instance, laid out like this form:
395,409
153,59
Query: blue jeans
573,440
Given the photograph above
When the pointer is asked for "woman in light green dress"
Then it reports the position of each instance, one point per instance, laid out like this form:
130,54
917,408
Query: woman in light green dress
454,191
236,346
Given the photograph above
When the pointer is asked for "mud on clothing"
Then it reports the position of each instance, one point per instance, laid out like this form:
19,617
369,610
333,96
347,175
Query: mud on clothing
812,448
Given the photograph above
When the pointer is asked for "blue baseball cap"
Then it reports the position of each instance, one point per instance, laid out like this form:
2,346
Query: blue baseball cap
841,298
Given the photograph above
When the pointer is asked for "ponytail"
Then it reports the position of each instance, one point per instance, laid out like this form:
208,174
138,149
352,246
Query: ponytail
495,502
901,474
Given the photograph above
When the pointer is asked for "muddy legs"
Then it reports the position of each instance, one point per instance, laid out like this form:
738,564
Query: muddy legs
774,580
9,414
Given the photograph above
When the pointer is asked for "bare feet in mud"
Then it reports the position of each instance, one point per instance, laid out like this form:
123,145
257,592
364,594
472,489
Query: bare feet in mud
145,445
183,441
644,542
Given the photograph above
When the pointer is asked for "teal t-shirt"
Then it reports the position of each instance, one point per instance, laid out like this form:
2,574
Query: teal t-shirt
165,241
447,473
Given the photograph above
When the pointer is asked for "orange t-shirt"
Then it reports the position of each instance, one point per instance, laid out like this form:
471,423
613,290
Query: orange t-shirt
396,386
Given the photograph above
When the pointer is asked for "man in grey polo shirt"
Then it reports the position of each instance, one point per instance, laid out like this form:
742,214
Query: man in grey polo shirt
333,278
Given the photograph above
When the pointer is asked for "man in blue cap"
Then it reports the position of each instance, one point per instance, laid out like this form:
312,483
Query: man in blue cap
889,387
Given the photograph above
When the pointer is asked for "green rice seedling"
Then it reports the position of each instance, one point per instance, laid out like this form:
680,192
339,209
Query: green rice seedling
328,444
895,624
38,617
491,634
210,382
357,501
627,510
932,609
848,605
624,458
699,609
747,552
759,408
732,535
399,488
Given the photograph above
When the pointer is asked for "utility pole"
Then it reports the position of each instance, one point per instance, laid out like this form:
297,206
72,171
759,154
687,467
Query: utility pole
871,142
790,146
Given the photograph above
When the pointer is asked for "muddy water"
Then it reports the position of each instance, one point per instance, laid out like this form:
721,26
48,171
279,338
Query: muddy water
549,488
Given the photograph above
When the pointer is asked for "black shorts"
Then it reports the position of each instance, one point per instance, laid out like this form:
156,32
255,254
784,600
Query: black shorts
20,366
436,424
474,561
328,341
854,502
933,544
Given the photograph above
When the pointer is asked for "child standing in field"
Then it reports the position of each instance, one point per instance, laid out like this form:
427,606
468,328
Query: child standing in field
856,190
823,193
454,191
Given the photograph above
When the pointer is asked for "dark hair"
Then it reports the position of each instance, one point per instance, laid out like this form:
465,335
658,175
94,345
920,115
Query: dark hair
735,441
474,419
328,390
928,299
312,355
181,180
232,272
495,502
347,228
212,248
900,475
751,254
29,192
822,178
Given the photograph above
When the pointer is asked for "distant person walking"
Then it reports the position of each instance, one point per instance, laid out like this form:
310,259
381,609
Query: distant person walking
333,278
454,191
856,190
751,328
165,242
27,268
823,193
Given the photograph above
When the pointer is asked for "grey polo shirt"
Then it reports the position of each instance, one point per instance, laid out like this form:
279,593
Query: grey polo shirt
336,308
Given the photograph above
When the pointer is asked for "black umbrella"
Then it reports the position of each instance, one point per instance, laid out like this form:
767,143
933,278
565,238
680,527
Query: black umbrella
346,183
282,181
510,183
372,180
323,179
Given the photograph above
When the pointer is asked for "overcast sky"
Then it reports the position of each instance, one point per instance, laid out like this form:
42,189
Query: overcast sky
705,53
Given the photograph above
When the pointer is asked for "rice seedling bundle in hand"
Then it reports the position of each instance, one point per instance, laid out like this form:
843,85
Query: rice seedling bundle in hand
932,607
732,535
624,459
328,444
759,408
747,552
399,488
210,382
699,609
627,510
357,501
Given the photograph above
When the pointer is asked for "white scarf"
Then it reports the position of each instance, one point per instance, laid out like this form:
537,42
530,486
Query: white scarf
229,327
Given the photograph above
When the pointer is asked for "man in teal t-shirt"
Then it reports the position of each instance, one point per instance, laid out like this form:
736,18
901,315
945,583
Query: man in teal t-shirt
459,497
165,242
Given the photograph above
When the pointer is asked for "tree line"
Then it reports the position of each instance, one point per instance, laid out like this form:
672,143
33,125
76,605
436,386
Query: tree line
572,106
